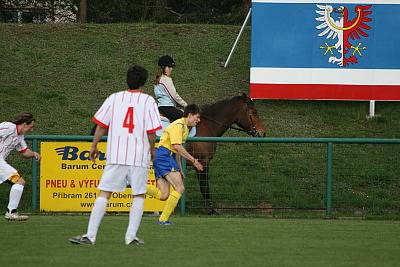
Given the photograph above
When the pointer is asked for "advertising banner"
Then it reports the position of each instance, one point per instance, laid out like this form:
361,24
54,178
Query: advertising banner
68,180
342,50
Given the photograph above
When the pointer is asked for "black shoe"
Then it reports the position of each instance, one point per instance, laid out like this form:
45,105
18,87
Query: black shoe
136,242
81,240
212,212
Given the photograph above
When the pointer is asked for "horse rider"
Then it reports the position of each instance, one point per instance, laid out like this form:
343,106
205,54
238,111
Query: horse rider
169,101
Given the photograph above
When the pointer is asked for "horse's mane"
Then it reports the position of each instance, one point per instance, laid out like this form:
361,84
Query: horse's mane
214,109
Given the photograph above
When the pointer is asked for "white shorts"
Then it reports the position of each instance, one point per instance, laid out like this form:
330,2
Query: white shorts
6,171
116,177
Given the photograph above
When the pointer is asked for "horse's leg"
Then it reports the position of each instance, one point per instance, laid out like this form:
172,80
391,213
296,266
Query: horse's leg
205,190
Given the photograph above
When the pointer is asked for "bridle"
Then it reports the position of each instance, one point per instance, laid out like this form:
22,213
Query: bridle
252,131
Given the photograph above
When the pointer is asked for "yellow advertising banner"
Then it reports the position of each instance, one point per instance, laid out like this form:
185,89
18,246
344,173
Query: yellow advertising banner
68,180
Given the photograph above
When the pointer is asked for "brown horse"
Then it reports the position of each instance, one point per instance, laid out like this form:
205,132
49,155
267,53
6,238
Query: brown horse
216,119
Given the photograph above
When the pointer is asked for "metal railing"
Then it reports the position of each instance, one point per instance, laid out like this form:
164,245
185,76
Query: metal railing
329,142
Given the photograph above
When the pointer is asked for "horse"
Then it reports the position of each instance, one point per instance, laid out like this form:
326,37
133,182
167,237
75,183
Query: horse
215,120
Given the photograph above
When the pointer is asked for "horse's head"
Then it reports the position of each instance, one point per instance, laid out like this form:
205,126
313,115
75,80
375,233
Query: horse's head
248,117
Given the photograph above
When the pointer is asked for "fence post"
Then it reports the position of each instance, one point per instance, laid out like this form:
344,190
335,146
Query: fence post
182,204
329,169
35,178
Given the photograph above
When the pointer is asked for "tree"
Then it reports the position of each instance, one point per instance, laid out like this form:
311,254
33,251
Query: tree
83,11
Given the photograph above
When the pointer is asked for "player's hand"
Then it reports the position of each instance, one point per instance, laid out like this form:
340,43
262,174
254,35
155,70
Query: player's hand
36,156
93,154
197,165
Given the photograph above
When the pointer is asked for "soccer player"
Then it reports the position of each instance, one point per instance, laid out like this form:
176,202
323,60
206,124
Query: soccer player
132,118
12,137
167,163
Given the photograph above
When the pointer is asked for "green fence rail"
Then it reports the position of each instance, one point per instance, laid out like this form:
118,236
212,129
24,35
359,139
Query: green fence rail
329,156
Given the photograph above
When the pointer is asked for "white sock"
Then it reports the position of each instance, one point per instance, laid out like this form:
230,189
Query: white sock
15,196
96,216
135,217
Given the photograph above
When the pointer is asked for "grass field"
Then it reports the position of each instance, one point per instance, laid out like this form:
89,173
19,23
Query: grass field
203,241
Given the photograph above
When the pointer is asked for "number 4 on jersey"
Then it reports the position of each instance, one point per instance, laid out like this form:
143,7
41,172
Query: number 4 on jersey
128,121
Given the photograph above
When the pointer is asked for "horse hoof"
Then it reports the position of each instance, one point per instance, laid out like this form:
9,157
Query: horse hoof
213,212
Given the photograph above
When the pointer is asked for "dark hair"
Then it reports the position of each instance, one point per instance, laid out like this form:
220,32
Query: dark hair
22,118
136,77
158,76
192,109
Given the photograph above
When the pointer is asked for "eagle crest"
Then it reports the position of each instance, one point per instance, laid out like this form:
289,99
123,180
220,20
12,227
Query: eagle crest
341,29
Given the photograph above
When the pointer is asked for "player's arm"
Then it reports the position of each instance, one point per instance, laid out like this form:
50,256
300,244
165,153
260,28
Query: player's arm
152,141
98,134
179,162
183,152
152,124
27,153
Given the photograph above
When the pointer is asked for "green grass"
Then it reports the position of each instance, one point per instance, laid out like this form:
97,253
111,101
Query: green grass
63,72
201,241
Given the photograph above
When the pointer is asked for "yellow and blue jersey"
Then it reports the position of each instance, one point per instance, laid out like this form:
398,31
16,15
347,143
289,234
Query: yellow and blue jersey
175,134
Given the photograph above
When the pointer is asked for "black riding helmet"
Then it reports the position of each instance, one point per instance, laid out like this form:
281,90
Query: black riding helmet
166,61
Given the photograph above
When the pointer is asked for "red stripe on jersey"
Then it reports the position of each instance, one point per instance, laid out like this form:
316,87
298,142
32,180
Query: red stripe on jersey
135,91
123,96
154,130
134,159
144,123
142,148
99,123
23,150
118,149
156,112
100,113
151,119
6,137
113,106
126,151
112,118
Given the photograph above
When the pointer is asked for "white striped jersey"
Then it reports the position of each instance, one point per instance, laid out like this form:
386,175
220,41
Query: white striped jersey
129,116
10,139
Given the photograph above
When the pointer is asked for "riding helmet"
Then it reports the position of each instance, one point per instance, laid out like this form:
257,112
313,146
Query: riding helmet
166,61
